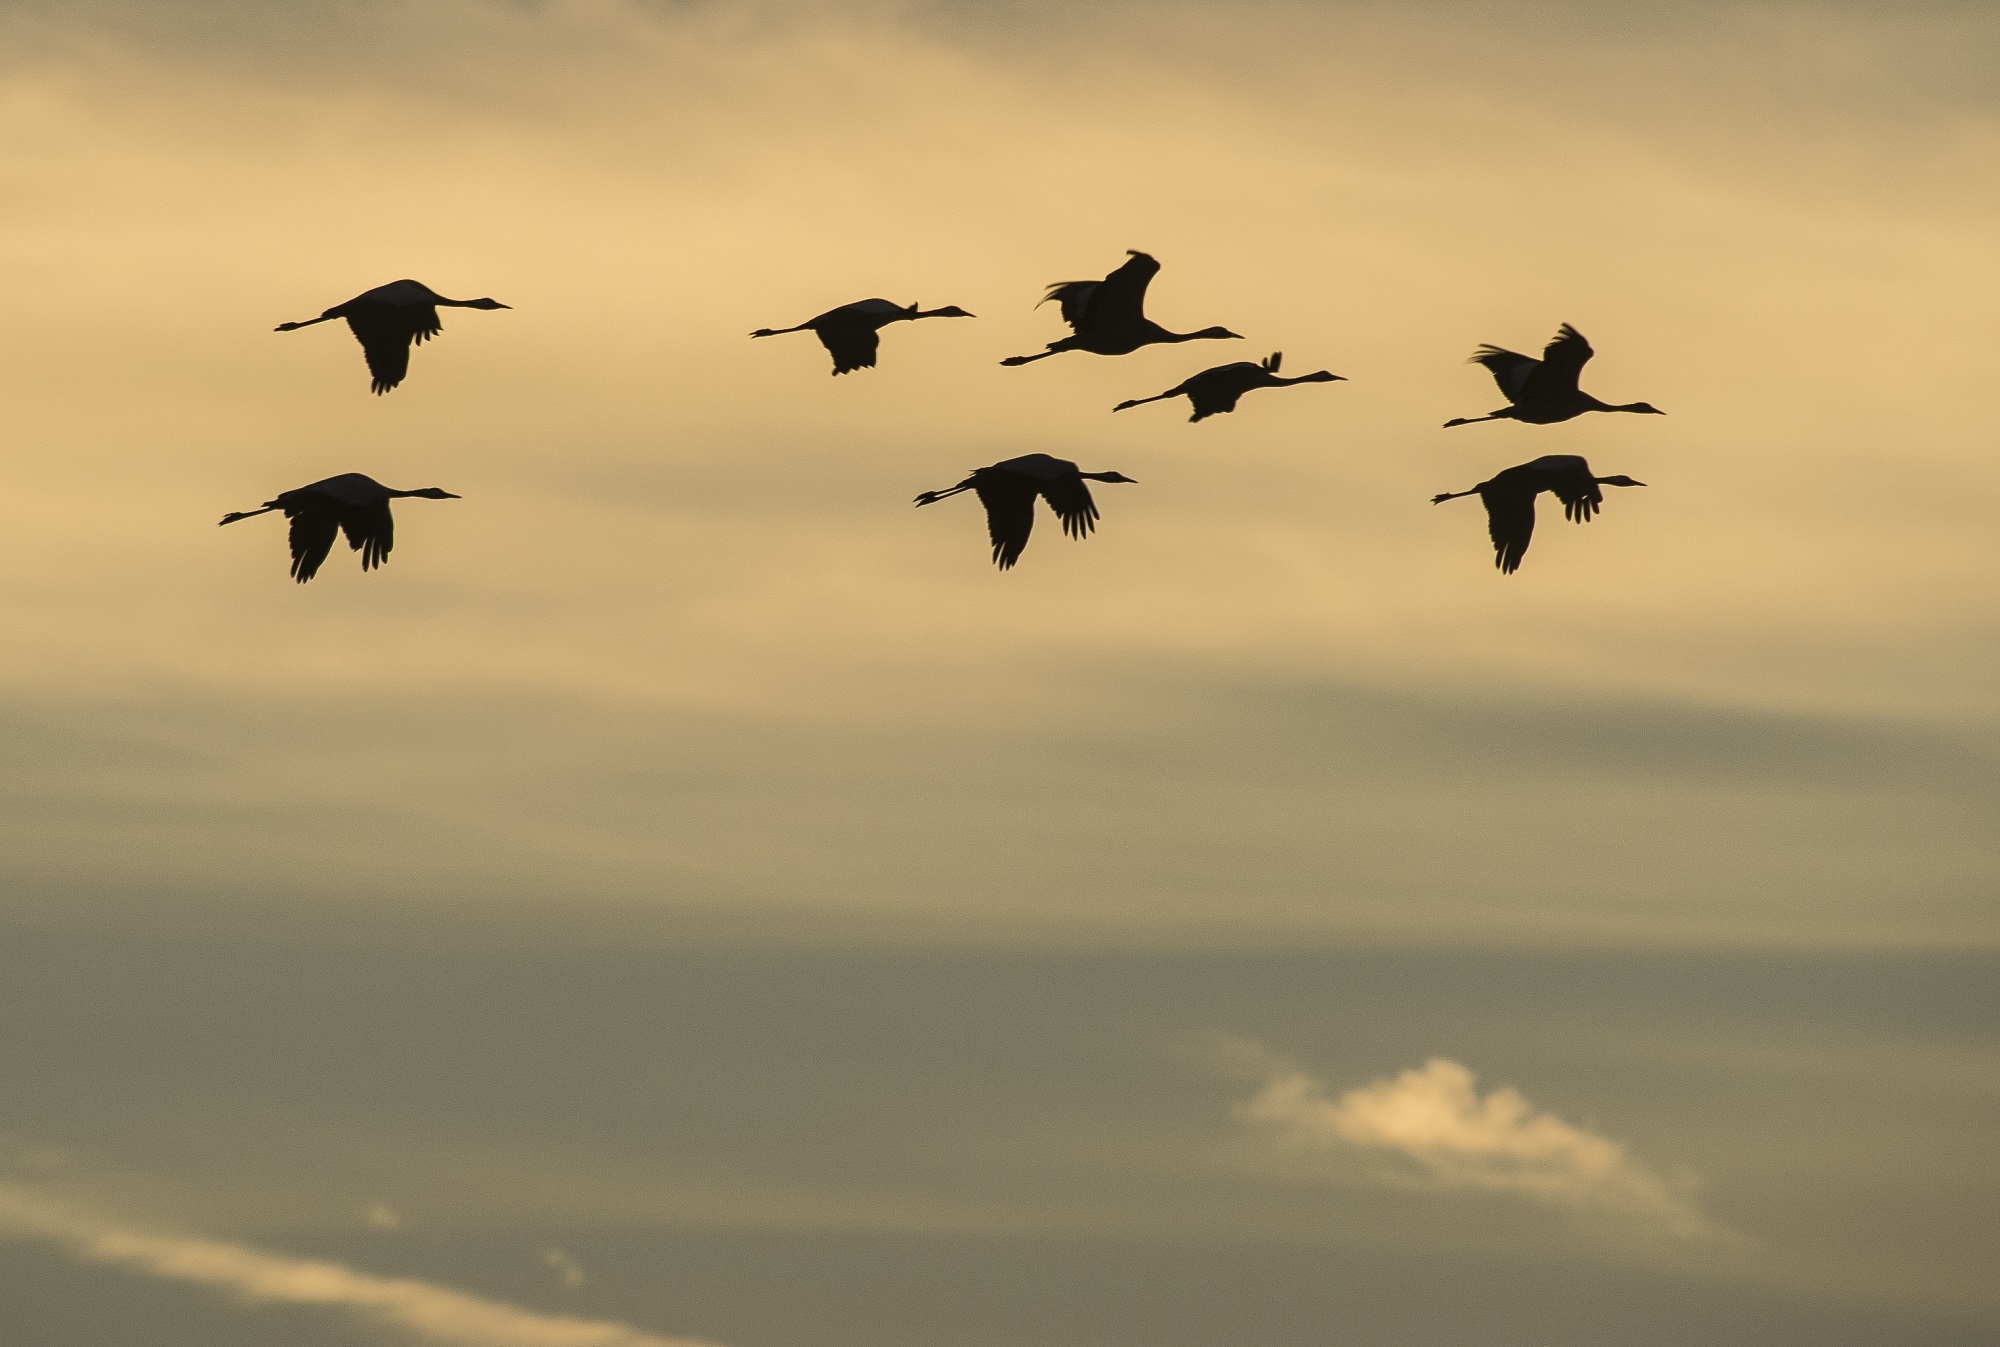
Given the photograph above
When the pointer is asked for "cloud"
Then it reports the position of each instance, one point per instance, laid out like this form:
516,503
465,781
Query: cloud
567,1268
433,1313
1442,1133
382,1216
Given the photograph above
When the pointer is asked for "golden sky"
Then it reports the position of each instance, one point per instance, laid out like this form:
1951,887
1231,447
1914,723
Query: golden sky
685,640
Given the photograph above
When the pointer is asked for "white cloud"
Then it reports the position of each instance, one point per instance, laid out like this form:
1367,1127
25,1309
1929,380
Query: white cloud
1444,1134
433,1313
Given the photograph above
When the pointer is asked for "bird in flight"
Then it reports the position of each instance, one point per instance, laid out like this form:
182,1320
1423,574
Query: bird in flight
1108,317
851,332
1216,390
1542,392
1510,501
350,503
388,320
1008,492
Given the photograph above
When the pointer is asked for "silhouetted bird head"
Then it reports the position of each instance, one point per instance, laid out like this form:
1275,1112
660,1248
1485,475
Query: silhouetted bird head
1645,407
950,311
1620,480
1218,332
1114,477
487,304
438,492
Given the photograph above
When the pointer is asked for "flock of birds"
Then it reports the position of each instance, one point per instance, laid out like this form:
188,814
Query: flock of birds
1105,317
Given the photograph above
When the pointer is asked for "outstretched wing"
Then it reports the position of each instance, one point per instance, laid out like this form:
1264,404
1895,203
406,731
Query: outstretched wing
371,531
1568,478
1581,498
313,527
1510,521
1070,499
1562,361
386,332
1074,296
1511,370
1121,297
851,344
1010,513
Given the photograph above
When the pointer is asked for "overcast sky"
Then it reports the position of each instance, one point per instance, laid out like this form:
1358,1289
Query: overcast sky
1310,933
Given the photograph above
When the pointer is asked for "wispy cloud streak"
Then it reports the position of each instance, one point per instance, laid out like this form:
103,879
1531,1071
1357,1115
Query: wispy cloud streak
1445,1134
433,1313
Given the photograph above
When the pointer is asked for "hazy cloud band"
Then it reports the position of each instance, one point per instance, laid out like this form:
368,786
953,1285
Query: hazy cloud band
434,1313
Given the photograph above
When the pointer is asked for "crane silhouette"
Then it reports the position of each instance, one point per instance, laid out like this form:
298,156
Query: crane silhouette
1108,317
1008,492
851,332
1544,391
388,320
1216,390
350,503
1509,497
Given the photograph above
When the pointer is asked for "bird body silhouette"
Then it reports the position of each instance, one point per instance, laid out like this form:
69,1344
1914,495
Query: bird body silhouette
1008,492
388,321
1108,317
1216,390
851,333
350,503
1543,392
1509,498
